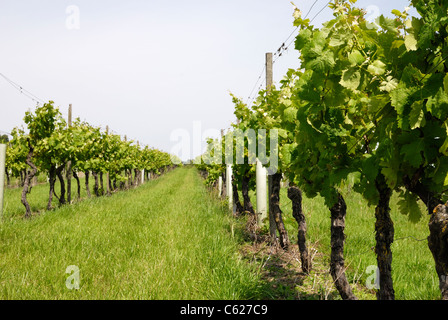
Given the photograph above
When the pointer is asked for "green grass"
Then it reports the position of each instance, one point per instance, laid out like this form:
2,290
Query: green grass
170,239
413,269
167,239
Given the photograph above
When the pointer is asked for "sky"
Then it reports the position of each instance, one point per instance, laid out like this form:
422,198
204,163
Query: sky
148,68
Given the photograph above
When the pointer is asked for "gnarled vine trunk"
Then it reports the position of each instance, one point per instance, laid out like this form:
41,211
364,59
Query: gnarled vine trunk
384,236
248,208
438,244
130,180
52,181
96,185
247,204
27,181
274,205
62,183
337,264
295,195
8,178
109,184
68,175
438,229
101,183
236,197
224,186
87,173
75,175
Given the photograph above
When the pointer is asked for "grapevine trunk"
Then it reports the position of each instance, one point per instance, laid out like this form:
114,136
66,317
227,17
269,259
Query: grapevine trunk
438,244
62,183
384,229
295,195
276,211
75,175
337,268
51,180
87,173
27,181
236,198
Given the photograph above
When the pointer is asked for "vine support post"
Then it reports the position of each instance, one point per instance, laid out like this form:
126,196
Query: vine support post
262,210
68,173
229,187
2,177
269,82
219,185
269,71
108,189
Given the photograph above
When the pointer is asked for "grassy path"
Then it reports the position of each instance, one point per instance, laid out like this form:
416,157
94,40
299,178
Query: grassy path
167,239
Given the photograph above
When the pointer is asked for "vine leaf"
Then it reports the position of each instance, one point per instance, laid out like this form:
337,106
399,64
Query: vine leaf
410,42
351,79
408,206
377,68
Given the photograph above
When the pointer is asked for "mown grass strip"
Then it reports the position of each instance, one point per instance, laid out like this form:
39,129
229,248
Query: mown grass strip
167,239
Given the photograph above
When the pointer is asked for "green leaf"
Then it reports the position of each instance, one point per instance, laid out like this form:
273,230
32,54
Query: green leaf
290,114
387,24
445,83
391,176
410,42
286,154
370,168
302,39
351,79
354,178
325,61
438,104
444,148
412,152
389,84
408,206
396,12
282,133
377,68
377,102
401,100
356,57
417,116
338,40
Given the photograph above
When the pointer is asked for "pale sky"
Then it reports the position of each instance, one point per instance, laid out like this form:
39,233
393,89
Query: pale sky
146,68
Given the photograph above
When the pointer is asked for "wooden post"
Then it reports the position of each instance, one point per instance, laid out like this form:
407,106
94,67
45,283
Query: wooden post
269,82
108,184
68,174
70,115
269,71
2,177
137,171
223,182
